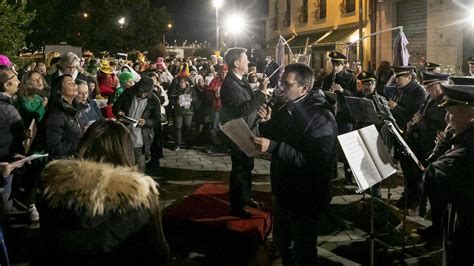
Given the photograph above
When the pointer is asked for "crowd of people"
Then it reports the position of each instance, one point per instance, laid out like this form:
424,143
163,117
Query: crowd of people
104,122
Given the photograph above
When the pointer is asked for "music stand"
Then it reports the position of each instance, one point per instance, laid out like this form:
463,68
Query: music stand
362,110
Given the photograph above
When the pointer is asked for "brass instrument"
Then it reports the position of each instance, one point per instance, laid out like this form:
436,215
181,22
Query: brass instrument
442,146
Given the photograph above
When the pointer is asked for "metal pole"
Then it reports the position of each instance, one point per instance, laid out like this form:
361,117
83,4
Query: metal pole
217,28
361,46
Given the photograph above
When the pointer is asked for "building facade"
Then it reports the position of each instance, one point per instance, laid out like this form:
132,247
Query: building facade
434,28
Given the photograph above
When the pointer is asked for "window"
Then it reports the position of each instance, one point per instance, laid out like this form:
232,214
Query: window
303,15
287,17
319,9
347,6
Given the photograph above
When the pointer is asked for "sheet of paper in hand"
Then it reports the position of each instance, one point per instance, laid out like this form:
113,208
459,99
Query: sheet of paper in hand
239,132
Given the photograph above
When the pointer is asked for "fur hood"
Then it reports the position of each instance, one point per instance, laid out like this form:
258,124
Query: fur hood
93,189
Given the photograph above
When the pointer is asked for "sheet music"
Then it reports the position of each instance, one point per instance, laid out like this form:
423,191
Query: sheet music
33,130
239,132
20,162
376,147
362,166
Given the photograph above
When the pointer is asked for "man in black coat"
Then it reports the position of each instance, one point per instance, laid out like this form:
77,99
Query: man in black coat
449,181
238,101
269,69
422,130
408,100
342,83
139,103
301,137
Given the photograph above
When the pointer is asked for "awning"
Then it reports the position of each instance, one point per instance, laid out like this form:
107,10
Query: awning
336,36
300,40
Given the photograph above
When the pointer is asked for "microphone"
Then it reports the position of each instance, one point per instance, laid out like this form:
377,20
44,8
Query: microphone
270,104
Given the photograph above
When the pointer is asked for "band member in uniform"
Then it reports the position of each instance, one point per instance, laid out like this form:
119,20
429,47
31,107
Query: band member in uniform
408,100
343,83
432,67
420,135
449,181
301,137
238,101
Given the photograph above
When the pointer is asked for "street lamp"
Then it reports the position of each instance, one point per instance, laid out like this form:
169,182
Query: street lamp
121,22
85,15
169,26
235,25
217,4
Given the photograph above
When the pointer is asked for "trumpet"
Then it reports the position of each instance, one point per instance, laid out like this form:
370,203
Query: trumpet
442,146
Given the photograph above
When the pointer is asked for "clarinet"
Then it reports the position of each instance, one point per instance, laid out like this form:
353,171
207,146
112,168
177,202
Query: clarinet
412,124
333,82
442,145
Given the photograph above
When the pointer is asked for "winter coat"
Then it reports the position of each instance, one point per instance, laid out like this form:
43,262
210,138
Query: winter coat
213,94
63,131
151,114
450,179
88,112
182,110
12,130
98,214
411,98
238,100
304,157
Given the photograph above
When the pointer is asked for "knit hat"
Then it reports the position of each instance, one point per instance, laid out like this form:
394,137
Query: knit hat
124,77
5,61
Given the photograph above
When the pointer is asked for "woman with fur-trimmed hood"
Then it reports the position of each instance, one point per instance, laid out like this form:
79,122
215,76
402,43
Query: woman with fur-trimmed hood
99,210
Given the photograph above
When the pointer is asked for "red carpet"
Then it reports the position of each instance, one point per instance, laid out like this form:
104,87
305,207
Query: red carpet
202,222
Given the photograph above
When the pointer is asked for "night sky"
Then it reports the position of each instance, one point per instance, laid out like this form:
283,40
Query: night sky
195,19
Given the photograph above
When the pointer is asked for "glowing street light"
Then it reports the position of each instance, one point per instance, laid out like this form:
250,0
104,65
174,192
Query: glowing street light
170,25
217,4
236,24
121,21
85,15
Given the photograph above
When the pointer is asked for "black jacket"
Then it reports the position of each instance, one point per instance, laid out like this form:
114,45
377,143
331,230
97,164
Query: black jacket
421,138
238,100
348,82
410,101
88,112
12,130
304,157
450,179
98,214
151,114
63,131
269,69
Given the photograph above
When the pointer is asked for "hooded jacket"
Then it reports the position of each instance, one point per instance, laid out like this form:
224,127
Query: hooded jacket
98,214
304,158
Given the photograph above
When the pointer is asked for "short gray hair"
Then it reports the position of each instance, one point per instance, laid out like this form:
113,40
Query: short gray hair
69,59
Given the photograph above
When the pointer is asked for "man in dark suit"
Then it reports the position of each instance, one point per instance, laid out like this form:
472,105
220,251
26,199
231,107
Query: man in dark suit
238,101
271,67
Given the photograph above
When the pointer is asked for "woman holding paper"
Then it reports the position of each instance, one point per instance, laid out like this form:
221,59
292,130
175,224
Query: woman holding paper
184,99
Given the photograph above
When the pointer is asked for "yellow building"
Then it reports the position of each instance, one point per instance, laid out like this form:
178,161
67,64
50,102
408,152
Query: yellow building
321,26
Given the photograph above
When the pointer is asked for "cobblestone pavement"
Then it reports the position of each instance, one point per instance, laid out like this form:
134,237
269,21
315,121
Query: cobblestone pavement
342,241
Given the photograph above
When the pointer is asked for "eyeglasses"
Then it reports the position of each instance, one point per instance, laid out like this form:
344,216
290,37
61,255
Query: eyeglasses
288,85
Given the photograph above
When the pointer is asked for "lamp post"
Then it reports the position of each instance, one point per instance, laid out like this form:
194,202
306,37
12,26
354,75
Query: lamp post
169,26
217,4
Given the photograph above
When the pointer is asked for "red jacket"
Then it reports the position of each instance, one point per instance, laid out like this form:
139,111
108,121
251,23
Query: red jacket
213,93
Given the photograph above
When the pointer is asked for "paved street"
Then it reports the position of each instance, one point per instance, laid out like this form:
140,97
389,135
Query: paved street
344,233
343,236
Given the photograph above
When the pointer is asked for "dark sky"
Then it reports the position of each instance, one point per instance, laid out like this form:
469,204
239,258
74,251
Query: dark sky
195,19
